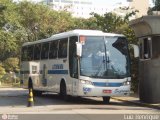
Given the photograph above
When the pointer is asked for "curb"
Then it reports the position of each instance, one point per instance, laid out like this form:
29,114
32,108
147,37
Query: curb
138,103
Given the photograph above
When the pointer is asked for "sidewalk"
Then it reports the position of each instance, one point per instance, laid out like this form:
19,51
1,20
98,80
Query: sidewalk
134,99
6,86
10,86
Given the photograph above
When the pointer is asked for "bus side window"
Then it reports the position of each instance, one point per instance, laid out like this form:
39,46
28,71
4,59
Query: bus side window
30,52
24,54
62,52
37,51
53,50
44,51
73,62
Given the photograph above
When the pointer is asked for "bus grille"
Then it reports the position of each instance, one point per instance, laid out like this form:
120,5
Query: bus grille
105,84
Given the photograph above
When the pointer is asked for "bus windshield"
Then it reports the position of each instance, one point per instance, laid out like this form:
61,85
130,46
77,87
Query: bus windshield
105,57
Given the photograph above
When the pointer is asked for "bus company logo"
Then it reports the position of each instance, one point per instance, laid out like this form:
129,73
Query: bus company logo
57,66
4,116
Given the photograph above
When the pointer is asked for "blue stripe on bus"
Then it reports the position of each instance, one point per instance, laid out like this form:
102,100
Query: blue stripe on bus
57,71
105,84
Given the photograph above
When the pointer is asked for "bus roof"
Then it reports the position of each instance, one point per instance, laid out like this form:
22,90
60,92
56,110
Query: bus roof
76,32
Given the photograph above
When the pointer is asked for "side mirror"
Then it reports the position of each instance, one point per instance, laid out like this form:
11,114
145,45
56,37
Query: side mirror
136,50
79,49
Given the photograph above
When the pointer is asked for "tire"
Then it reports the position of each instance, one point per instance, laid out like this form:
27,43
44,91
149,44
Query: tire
106,100
63,91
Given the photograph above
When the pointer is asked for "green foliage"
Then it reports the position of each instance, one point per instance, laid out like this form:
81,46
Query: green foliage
109,22
8,23
25,21
156,7
2,71
11,65
81,23
40,21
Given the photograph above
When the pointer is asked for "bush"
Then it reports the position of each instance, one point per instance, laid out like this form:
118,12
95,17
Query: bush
2,72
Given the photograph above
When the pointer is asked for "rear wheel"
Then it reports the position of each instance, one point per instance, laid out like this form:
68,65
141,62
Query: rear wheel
106,99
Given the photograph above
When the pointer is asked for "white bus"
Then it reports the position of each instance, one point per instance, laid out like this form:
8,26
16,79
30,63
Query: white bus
78,63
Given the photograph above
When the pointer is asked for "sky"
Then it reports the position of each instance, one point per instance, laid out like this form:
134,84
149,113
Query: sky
110,3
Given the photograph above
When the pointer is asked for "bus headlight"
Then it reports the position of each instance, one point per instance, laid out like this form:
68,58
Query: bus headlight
126,83
86,82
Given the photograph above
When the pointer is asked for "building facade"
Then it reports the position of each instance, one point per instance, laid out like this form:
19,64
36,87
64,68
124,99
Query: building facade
78,8
140,5
131,5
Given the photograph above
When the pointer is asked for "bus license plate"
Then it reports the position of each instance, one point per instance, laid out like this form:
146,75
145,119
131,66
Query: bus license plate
107,91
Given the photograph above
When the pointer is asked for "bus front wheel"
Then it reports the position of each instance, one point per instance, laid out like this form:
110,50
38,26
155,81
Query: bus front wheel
106,99
63,91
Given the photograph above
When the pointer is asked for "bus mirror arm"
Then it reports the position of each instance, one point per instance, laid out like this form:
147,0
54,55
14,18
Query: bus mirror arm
79,49
136,50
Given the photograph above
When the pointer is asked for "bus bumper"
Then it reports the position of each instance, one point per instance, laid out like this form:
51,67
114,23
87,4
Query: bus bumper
90,91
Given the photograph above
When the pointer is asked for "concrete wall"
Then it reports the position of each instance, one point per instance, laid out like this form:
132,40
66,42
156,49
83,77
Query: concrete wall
149,75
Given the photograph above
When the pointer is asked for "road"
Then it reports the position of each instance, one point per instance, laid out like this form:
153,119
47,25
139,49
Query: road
14,101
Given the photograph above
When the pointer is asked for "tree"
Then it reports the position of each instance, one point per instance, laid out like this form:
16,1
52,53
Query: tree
25,21
2,72
156,7
82,23
9,24
11,65
109,22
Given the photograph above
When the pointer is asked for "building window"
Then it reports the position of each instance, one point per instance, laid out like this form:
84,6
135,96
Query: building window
155,47
145,48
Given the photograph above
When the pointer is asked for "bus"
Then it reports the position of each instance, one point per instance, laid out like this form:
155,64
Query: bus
82,63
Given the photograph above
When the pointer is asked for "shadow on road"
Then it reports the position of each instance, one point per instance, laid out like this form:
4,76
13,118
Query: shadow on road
19,98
